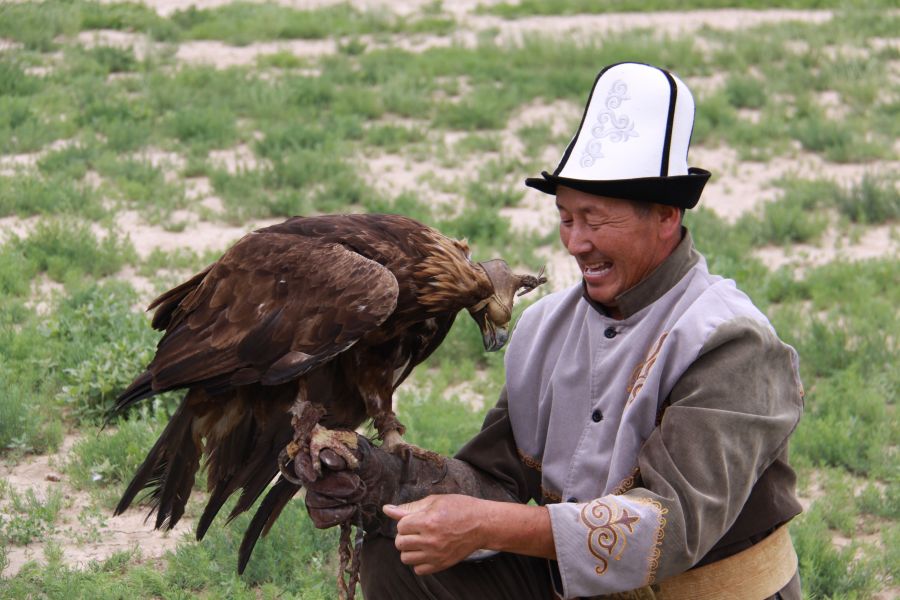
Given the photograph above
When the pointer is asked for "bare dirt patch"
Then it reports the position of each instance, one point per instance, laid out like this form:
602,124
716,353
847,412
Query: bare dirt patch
81,536
200,236
471,26
874,242
405,8
16,226
739,186
588,27
12,164
234,160
222,55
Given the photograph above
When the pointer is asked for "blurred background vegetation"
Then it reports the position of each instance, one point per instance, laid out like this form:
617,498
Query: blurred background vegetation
104,123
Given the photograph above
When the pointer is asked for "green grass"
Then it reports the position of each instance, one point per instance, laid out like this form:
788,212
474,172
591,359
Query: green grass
67,249
104,462
847,425
93,117
873,200
27,517
827,572
241,23
27,426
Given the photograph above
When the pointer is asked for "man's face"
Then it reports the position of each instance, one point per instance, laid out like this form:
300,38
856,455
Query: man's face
615,246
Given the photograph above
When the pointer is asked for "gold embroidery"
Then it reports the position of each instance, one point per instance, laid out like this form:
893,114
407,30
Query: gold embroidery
607,523
530,462
627,483
549,496
656,552
642,370
644,593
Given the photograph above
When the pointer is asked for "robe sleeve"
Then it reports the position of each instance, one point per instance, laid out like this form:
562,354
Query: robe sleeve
493,451
729,417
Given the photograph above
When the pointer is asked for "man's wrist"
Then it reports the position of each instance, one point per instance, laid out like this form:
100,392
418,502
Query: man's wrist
517,528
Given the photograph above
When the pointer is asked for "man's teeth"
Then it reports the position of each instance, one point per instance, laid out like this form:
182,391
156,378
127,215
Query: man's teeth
594,269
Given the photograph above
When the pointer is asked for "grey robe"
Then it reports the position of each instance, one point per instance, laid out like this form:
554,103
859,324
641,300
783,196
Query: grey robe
665,432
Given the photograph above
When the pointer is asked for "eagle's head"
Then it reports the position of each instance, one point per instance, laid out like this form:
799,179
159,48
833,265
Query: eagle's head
494,313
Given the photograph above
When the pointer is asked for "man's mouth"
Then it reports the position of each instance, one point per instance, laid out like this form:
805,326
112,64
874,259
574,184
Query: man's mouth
596,269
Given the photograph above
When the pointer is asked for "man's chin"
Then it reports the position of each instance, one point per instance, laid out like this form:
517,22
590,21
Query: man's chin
601,294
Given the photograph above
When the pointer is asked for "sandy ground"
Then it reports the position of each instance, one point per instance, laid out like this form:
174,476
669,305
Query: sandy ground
83,537
738,187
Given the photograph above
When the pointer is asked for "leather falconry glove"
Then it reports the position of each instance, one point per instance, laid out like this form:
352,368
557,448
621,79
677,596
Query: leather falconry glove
341,493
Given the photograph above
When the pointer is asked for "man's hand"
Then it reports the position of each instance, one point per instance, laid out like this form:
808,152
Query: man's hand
437,532
336,492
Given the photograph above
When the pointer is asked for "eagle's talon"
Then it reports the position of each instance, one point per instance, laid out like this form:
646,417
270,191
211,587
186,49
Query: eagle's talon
395,444
340,442
285,459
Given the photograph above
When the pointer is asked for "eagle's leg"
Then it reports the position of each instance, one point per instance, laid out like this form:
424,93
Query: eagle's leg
310,438
377,391
391,432
390,429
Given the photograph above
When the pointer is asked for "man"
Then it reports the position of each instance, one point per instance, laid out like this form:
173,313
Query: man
646,411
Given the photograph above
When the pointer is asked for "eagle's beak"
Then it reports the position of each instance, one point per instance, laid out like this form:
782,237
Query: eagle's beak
497,340
493,335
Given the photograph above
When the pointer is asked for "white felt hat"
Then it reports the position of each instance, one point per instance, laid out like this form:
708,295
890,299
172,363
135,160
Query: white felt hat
633,140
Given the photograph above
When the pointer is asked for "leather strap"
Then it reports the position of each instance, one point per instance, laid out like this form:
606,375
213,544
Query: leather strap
756,573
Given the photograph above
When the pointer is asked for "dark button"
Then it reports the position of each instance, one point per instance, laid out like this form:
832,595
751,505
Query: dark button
610,332
597,416
572,499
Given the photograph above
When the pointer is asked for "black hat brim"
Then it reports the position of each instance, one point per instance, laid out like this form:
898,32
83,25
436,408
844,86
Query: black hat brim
682,191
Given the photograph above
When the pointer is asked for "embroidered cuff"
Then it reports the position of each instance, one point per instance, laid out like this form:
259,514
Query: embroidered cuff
610,544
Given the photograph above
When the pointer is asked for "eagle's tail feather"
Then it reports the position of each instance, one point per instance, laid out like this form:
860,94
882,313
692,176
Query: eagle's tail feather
222,492
168,470
254,486
255,472
266,514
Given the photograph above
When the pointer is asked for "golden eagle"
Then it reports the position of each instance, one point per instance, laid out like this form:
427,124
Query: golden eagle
333,310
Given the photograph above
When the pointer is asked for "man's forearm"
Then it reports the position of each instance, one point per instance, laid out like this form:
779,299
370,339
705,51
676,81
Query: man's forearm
516,528
439,531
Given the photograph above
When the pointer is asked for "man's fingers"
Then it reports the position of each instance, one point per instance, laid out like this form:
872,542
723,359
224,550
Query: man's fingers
394,512
408,542
398,511
413,557
427,569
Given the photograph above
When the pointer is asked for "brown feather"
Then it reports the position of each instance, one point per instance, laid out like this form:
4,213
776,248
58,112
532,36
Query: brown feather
268,511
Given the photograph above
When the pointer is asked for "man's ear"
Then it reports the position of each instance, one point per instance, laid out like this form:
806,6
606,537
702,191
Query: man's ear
669,218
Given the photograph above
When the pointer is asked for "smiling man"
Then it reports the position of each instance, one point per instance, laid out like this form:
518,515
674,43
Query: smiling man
646,412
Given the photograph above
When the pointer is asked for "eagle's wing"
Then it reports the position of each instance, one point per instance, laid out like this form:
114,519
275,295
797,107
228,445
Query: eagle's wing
275,306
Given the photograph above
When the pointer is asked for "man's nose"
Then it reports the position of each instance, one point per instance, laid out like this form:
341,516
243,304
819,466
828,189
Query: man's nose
578,241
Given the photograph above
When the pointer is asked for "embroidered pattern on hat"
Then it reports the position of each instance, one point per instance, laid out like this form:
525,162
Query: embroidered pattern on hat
616,128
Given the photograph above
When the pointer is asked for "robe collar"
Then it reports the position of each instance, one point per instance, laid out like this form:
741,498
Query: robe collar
658,282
